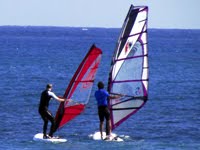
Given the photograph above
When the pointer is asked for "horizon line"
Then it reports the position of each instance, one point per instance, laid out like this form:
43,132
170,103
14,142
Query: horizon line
60,26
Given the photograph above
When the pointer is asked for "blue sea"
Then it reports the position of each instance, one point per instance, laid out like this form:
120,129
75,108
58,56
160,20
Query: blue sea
31,57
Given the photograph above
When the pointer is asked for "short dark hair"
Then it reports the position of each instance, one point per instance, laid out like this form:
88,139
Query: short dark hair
49,86
100,85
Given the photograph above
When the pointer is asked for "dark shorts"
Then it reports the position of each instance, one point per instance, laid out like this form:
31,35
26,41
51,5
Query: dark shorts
103,112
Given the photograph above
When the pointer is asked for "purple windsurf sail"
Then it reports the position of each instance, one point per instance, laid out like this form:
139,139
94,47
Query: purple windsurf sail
129,67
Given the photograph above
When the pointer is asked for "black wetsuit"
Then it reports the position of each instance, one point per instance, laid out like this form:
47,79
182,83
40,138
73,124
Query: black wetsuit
45,113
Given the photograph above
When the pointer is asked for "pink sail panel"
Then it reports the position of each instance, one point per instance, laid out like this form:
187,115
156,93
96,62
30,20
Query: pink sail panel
79,88
129,67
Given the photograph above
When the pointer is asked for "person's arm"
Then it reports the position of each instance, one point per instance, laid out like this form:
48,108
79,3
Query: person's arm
58,98
61,99
110,96
115,96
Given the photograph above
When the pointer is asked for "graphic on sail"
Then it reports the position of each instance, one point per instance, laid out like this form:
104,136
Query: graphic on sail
129,67
79,88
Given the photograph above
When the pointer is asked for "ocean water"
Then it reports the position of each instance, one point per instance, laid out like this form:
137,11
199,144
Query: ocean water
31,57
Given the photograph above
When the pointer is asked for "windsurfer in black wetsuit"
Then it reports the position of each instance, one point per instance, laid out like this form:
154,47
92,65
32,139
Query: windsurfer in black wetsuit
46,115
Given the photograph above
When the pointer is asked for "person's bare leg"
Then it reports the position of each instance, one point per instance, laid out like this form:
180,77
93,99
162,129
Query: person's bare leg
108,128
101,129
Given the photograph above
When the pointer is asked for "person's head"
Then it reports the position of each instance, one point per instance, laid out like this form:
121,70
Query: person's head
49,86
100,85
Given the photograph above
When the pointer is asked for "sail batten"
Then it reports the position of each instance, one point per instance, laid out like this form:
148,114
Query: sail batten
129,67
131,57
127,108
125,37
138,80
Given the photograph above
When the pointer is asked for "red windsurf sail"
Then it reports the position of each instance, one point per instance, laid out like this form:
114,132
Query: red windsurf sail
79,88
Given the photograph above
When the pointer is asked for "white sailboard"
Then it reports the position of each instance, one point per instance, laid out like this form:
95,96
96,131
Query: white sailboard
113,137
39,137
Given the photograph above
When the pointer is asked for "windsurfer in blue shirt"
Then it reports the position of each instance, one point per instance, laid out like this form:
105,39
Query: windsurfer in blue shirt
46,115
102,97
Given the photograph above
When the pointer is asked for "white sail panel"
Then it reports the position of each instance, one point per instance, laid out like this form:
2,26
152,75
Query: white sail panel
122,110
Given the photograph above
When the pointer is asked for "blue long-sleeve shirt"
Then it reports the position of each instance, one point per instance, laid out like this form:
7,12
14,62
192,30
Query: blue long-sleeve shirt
101,96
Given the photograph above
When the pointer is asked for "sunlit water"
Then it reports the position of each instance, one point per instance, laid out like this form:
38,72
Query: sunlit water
31,57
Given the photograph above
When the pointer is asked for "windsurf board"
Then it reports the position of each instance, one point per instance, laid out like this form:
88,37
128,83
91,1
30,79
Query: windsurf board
113,137
39,137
